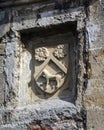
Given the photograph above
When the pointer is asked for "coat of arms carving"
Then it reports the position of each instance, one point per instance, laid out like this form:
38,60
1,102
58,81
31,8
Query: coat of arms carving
51,67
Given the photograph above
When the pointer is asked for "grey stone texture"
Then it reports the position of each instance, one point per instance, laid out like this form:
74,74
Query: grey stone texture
2,47
84,108
95,91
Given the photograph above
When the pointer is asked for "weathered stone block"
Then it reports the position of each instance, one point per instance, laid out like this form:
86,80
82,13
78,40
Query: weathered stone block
1,64
95,118
1,90
97,62
95,93
2,48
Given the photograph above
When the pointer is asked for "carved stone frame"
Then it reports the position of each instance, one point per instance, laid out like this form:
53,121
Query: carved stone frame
17,27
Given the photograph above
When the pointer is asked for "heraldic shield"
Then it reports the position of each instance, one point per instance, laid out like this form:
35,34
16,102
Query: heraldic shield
51,63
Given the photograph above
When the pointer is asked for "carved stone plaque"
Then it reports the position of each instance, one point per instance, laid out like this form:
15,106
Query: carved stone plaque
51,67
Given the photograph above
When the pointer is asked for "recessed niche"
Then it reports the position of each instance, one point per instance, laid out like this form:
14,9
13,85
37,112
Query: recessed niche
48,63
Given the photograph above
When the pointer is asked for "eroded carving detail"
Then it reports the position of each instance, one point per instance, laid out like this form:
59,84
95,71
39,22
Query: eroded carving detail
50,78
60,51
51,73
41,54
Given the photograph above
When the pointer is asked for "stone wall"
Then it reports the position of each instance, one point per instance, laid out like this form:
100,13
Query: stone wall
94,93
79,104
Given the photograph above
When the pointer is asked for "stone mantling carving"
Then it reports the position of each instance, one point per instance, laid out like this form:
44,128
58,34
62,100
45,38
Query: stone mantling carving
51,67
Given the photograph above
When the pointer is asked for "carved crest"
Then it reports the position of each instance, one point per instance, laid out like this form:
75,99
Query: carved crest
51,65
